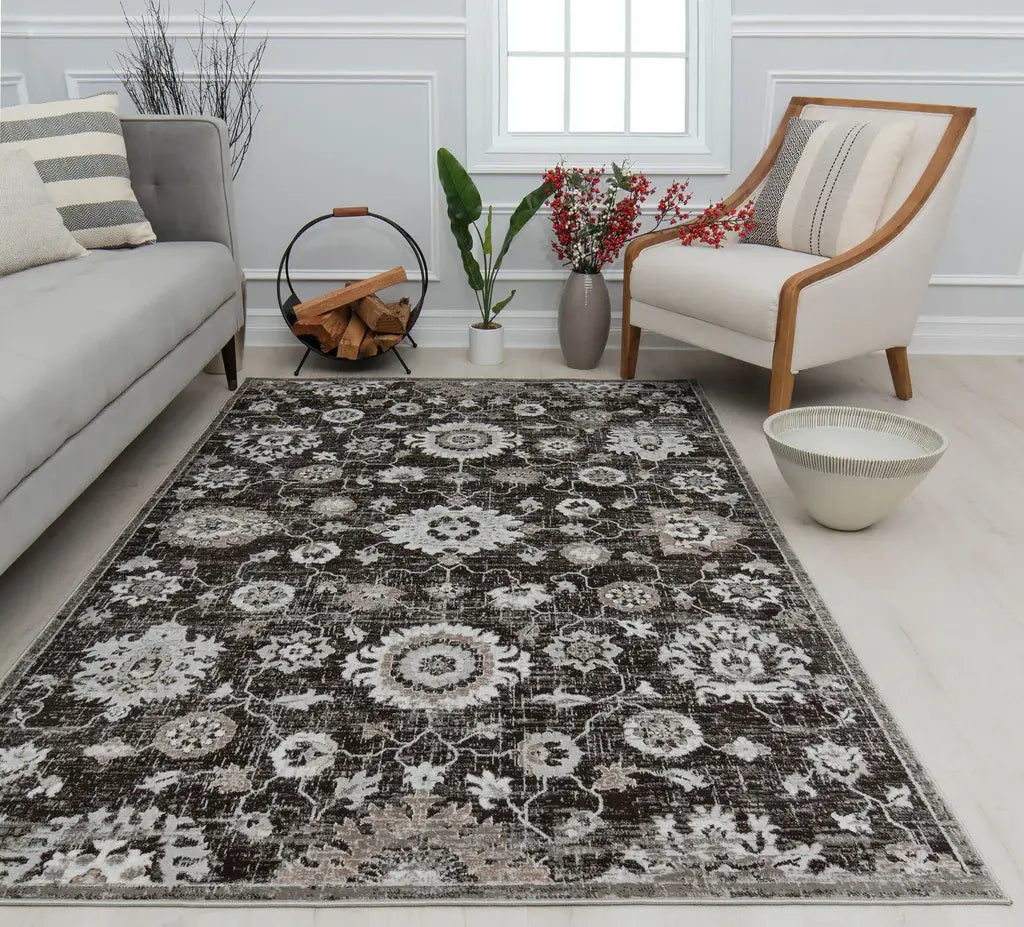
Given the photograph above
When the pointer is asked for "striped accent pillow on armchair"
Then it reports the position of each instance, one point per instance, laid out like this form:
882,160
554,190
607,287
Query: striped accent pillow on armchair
79,152
826,189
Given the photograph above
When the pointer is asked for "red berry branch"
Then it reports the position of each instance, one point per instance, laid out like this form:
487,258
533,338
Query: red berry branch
593,222
711,226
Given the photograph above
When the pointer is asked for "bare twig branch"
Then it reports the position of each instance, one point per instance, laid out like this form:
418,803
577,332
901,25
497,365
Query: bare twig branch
225,77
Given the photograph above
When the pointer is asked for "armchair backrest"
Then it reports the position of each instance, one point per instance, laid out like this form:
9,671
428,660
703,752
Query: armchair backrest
940,139
930,128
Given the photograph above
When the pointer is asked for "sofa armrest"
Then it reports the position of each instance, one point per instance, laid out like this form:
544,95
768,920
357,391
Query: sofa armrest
181,174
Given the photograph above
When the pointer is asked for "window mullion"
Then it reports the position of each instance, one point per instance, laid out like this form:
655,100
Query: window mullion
501,91
568,61
628,69
693,76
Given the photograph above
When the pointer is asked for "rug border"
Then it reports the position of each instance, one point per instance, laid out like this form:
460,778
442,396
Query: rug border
890,726
993,894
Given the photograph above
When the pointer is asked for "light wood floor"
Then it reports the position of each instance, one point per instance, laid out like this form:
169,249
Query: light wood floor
932,601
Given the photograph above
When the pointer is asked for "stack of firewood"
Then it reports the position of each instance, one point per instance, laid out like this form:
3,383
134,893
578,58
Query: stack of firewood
353,322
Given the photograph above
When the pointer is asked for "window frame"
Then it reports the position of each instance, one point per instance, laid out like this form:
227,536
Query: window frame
703,149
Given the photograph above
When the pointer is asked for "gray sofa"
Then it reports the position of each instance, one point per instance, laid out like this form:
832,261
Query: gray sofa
92,349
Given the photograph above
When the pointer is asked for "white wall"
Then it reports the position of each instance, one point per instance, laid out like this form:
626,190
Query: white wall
357,95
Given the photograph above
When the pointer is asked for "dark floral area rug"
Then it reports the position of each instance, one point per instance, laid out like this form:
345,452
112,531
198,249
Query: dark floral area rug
422,640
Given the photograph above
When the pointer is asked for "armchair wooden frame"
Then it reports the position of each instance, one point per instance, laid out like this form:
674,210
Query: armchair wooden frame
781,389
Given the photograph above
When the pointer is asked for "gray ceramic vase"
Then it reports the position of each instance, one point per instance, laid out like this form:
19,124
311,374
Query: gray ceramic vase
584,318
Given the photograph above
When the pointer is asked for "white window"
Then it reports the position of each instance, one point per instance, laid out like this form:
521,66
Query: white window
602,78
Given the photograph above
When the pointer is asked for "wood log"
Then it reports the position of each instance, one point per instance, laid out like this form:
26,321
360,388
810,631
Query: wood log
379,315
314,308
308,328
404,310
335,323
368,347
317,331
385,342
352,338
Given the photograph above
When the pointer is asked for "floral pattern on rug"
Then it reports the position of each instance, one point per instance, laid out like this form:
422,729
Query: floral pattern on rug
426,640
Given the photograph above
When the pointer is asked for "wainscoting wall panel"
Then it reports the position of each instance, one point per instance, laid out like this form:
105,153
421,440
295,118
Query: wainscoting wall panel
13,89
355,104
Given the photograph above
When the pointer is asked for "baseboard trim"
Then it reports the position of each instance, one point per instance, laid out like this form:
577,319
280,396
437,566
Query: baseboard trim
965,335
446,328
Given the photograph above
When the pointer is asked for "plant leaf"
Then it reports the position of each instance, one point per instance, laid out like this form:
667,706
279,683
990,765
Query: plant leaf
487,231
472,267
523,213
463,197
464,207
502,304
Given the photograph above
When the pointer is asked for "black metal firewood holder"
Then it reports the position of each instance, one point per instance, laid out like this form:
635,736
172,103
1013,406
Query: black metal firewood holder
288,304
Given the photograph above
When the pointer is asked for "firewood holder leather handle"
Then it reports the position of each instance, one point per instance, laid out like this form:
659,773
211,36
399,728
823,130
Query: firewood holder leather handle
288,303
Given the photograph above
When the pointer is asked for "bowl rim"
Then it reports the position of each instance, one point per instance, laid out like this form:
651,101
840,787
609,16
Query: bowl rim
934,455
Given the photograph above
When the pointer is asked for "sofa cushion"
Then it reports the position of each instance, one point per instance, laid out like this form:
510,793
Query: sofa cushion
75,335
79,151
32,232
735,286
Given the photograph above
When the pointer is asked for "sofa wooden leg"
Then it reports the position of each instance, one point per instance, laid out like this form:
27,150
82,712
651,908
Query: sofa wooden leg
229,356
630,350
780,392
899,367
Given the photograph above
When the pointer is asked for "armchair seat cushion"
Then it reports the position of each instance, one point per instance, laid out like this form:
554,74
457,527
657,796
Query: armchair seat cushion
735,286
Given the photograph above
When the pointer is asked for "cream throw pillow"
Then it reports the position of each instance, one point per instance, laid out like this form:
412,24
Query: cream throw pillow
31,229
826,190
79,152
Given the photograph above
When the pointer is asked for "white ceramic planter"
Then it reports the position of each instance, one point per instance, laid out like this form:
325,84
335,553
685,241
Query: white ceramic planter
486,345
851,467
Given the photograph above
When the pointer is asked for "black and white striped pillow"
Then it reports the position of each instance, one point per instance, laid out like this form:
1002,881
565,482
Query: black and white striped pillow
78,149
826,190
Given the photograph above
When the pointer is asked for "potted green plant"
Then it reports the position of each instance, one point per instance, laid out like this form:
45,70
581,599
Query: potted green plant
486,337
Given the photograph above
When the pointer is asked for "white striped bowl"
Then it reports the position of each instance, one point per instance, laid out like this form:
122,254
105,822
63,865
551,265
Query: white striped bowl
851,467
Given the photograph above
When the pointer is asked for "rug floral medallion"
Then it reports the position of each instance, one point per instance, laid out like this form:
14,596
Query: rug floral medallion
409,640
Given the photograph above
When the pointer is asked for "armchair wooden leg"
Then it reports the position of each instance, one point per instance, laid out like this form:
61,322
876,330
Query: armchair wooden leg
630,350
230,359
899,367
780,392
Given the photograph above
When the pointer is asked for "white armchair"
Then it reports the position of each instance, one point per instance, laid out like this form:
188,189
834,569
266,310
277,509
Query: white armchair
786,310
